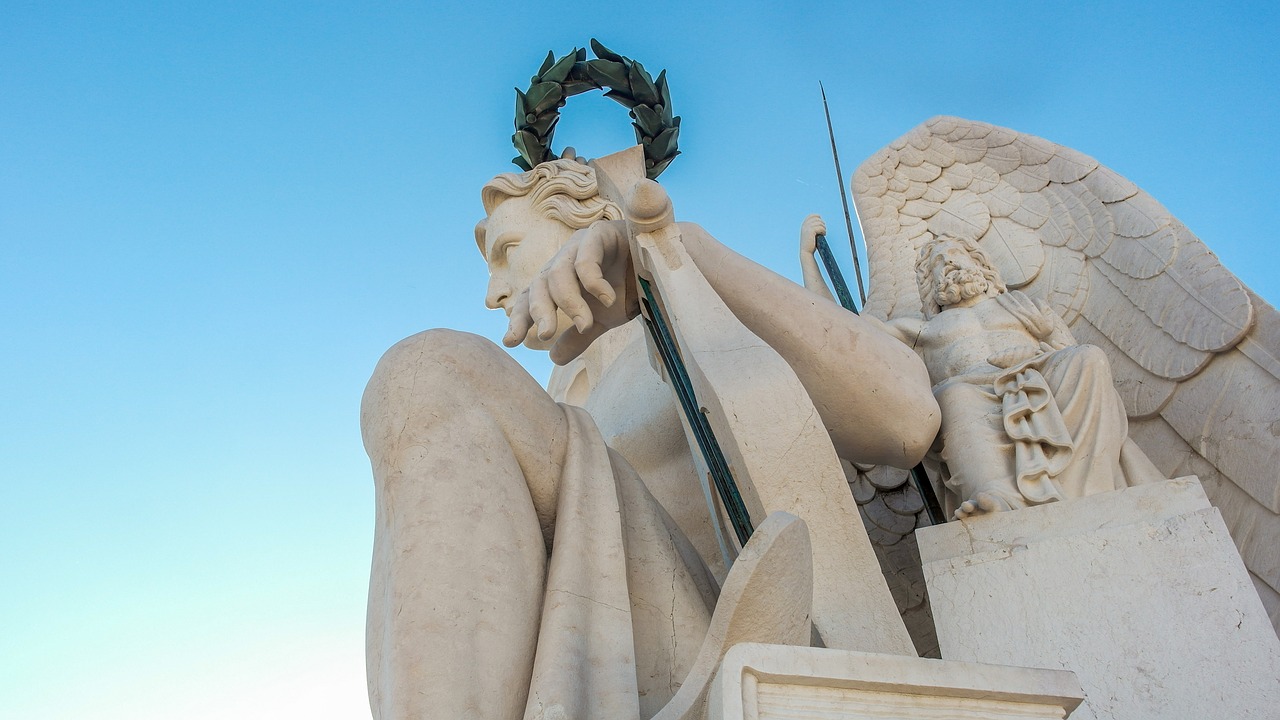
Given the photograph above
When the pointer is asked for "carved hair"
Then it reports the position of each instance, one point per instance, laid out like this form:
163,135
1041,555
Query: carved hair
563,190
929,259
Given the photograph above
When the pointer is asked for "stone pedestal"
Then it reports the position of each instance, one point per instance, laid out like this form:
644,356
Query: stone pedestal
1140,592
777,682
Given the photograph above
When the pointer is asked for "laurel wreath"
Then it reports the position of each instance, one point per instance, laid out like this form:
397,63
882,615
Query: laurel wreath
649,100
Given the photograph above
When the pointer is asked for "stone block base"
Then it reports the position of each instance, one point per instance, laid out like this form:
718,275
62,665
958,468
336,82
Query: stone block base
779,682
1140,592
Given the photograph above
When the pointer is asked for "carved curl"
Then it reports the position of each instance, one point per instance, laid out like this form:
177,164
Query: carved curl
564,190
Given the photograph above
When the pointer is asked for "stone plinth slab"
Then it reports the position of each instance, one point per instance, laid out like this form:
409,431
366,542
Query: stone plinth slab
777,682
1140,592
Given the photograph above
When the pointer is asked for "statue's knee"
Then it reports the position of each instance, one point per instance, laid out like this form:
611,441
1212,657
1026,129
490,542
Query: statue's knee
427,374
440,353
1094,359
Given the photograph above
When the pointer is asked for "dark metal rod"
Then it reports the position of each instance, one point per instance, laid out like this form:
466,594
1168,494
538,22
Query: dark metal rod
833,272
844,198
925,488
717,466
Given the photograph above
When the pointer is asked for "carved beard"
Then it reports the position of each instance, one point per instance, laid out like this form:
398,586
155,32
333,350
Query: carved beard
959,284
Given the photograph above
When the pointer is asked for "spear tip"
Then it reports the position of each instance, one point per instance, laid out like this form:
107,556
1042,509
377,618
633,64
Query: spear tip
844,197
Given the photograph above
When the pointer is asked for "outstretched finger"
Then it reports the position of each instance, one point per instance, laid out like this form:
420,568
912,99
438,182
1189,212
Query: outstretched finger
590,271
541,309
520,322
607,246
566,293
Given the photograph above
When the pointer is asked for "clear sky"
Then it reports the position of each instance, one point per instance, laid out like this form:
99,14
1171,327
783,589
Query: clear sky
214,217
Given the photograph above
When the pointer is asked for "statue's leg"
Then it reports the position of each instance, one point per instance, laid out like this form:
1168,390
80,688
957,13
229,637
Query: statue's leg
466,451
1094,415
976,448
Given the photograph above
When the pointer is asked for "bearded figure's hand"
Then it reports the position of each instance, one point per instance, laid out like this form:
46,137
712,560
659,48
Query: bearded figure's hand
1037,318
990,500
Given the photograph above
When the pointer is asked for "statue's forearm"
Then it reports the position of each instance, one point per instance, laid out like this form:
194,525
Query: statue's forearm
813,281
872,391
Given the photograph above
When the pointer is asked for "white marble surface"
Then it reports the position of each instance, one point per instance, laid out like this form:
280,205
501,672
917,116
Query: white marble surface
1140,592
773,682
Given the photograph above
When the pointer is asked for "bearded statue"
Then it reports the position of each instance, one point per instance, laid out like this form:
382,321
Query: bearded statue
1029,415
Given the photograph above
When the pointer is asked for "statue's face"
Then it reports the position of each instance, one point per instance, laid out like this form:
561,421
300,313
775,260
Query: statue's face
957,276
519,241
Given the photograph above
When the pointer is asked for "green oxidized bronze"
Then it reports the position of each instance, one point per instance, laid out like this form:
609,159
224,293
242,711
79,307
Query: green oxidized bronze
538,108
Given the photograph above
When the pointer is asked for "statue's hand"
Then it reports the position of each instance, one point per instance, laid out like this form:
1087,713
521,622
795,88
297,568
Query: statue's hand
589,281
988,501
1035,316
810,229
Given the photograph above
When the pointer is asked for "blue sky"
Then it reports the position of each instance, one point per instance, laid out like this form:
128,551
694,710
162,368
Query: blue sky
214,220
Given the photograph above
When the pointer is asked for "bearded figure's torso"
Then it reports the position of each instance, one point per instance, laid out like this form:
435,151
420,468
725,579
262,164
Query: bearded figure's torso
960,341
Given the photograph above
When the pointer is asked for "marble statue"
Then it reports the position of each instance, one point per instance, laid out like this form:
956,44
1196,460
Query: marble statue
1194,354
535,559
1029,415
549,554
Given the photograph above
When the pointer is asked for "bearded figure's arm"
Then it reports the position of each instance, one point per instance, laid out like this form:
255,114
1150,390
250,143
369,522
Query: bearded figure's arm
1060,336
1039,319
905,330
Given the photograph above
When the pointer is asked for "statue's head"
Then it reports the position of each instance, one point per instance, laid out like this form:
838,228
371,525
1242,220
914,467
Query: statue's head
955,271
528,217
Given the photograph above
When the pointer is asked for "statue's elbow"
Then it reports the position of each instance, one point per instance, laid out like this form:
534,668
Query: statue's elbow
918,433
899,435
923,439
923,408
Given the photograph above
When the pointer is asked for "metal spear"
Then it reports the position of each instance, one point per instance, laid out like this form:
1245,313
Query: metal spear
844,198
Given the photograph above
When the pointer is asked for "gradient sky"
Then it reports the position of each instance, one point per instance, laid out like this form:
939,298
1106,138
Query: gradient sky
213,220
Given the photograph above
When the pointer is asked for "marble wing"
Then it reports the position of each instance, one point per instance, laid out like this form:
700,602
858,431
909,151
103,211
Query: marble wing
1196,355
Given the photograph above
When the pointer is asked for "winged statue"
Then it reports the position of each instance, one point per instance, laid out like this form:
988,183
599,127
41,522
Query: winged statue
1195,355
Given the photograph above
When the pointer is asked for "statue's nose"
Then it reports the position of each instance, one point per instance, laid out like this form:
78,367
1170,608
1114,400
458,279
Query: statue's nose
498,295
